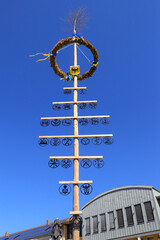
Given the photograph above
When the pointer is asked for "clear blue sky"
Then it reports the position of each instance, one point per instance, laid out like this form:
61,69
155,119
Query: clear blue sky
126,85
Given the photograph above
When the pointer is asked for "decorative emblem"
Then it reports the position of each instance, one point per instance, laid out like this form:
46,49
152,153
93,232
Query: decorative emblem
83,121
76,221
66,163
82,91
108,140
74,70
66,106
85,141
98,163
53,163
82,105
67,91
96,140
86,163
86,189
67,141
66,122
94,121
55,122
105,120
92,105
56,107
43,142
45,123
55,142
64,189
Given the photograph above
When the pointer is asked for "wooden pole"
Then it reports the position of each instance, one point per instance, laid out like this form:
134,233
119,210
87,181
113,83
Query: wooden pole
76,231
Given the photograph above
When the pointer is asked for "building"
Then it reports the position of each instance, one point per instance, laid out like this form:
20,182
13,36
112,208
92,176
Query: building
129,212
43,232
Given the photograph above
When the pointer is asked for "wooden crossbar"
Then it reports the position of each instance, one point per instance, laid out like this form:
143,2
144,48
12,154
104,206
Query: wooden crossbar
76,102
75,212
79,117
75,182
78,157
72,88
78,136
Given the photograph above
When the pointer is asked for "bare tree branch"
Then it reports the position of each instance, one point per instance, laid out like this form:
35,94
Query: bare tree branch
77,19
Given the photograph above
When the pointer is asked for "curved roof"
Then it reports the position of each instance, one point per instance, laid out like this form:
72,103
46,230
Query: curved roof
119,189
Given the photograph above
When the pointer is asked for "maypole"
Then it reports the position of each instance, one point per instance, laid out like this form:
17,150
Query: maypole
73,75
76,231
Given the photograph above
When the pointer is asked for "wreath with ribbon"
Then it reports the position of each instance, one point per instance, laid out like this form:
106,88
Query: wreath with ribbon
62,44
80,41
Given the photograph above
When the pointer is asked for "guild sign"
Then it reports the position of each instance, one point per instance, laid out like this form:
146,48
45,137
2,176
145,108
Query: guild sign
66,122
66,163
44,123
56,107
83,121
66,106
86,189
105,120
94,121
98,163
67,141
64,189
74,70
108,140
43,142
82,91
96,140
76,221
67,91
85,141
53,163
82,105
55,122
92,105
86,163
55,142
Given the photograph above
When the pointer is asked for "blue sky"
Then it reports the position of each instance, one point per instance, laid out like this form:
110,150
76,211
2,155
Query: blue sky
126,85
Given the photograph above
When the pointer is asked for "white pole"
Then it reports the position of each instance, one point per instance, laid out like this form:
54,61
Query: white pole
76,231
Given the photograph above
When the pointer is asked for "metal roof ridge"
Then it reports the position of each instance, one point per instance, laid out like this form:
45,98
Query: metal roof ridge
117,189
156,189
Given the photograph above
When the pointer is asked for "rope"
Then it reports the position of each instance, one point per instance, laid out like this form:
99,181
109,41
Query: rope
64,48
93,63
83,54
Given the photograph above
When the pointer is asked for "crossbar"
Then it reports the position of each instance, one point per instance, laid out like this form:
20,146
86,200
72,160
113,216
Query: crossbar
74,157
78,136
72,88
76,102
75,182
79,117
75,212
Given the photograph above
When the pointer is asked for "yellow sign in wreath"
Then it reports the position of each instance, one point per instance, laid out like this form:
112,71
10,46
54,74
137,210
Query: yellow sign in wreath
74,70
